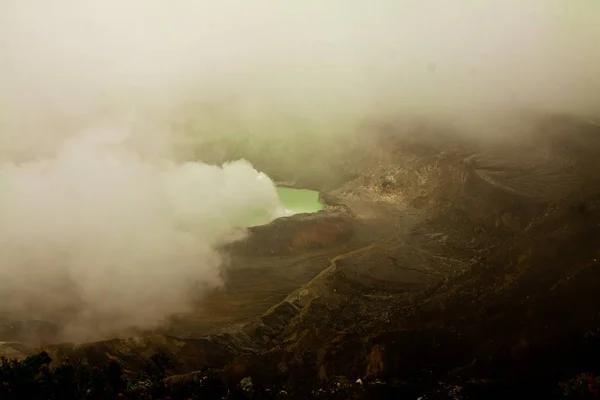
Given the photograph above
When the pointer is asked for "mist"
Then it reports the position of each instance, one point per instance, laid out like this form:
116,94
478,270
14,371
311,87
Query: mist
103,223
100,240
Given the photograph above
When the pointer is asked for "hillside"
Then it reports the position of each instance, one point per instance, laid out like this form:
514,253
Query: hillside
449,260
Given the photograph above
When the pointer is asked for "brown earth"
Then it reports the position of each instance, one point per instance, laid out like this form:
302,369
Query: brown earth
442,260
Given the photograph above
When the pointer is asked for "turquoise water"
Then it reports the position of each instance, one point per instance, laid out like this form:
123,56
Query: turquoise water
294,201
298,201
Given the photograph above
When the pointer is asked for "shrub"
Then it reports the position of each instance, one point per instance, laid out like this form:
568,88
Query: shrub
35,378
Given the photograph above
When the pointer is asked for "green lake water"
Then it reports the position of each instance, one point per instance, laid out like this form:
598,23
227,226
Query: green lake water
294,201
299,201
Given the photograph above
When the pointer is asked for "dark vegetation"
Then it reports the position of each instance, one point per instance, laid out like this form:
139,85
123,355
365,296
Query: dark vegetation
38,378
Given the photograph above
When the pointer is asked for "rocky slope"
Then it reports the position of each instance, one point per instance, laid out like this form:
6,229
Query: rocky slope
438,259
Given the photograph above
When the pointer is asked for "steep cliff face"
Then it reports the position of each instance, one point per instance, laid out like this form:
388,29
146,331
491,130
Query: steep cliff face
436,260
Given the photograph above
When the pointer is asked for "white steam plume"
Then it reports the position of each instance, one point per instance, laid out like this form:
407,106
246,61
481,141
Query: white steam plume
100,240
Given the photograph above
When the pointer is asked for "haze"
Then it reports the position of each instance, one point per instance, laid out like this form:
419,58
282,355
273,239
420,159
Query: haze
100,222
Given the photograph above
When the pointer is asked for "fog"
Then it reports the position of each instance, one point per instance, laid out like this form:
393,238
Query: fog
101,222
99,240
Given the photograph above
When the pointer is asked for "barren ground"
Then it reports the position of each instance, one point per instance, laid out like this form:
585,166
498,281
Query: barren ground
435,261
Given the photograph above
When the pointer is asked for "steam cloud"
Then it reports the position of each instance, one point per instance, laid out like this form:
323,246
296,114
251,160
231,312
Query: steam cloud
102,240
100,221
